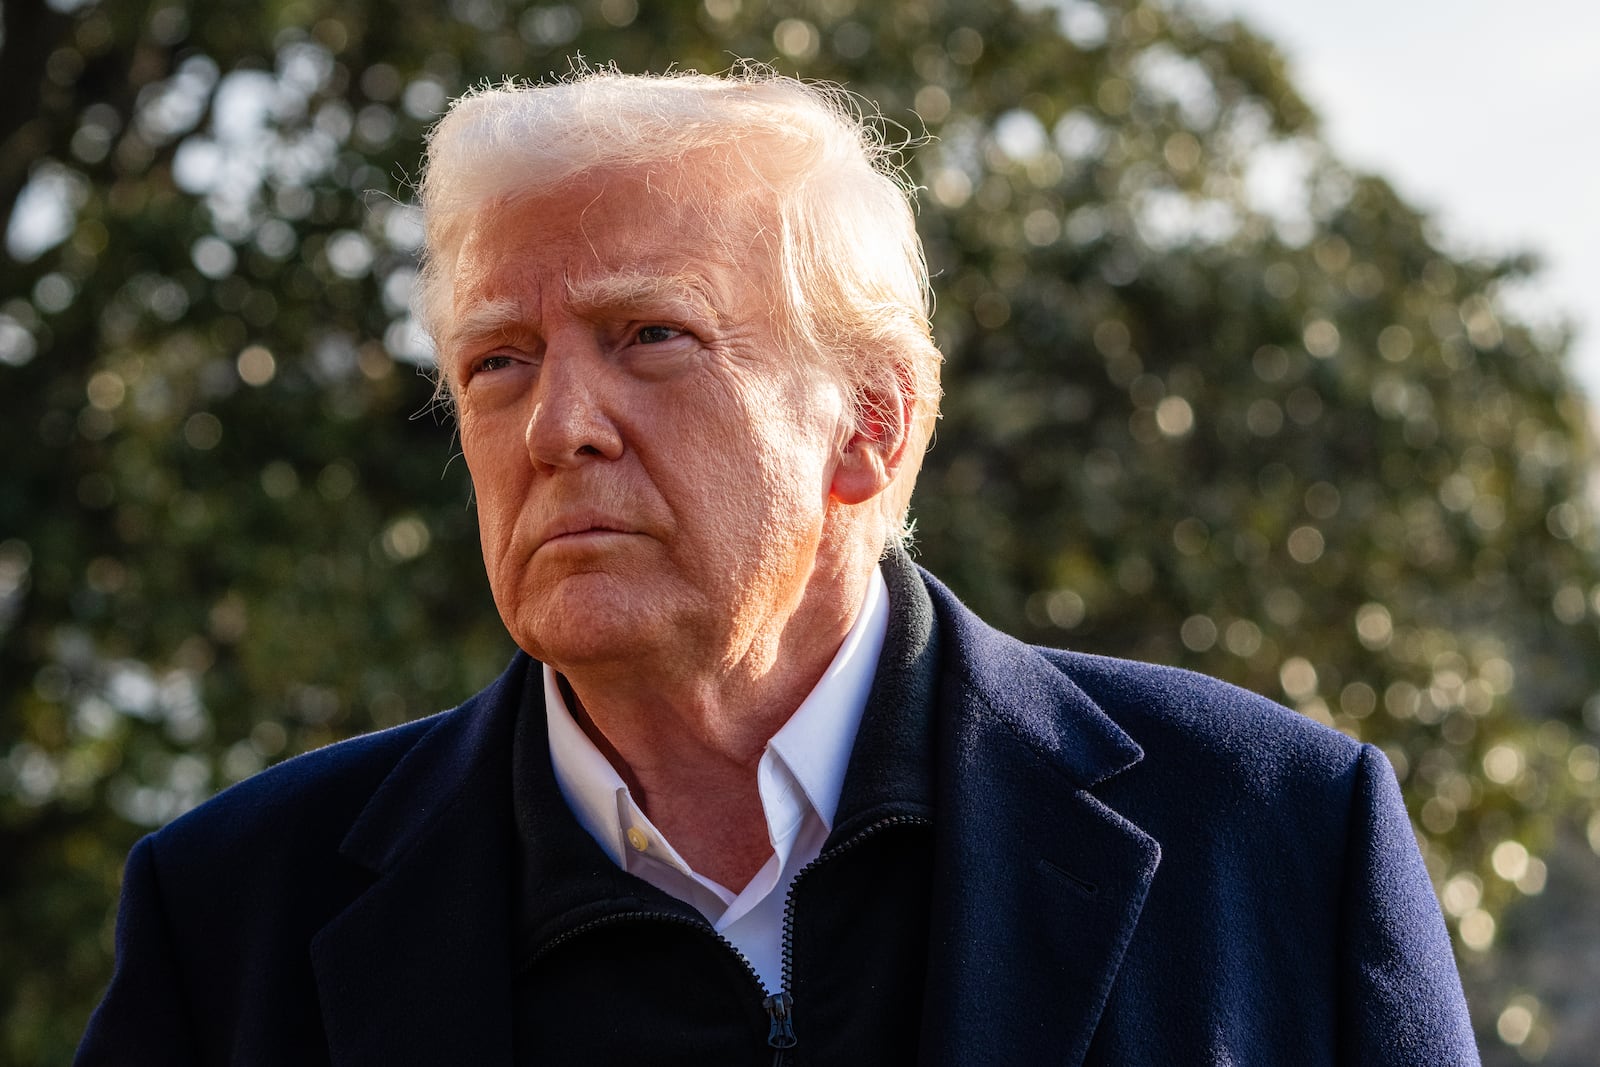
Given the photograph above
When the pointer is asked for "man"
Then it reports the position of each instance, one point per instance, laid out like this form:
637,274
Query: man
758,787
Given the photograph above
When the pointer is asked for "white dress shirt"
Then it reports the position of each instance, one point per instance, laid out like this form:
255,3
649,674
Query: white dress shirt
800,776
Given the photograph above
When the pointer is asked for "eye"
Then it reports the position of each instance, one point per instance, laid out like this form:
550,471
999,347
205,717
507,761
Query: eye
490,363
485,369
654,335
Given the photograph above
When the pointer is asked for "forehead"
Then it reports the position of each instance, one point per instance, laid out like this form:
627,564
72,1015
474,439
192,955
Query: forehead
606,233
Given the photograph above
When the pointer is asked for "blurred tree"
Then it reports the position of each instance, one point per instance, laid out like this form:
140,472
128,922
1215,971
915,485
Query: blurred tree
1213,399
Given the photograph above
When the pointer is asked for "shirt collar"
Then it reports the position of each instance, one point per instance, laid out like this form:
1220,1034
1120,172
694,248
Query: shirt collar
587,781
814,744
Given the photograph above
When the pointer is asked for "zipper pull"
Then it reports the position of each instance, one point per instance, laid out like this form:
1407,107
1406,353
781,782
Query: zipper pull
780,1009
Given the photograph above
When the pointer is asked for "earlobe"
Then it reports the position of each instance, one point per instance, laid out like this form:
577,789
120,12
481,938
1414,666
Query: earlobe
870,457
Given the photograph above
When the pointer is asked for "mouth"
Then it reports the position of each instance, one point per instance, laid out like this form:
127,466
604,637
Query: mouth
581,529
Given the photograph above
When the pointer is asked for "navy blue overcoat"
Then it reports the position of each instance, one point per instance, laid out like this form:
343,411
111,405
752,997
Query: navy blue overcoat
1134,865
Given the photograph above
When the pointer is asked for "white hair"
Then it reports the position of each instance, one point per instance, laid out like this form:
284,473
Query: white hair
850,264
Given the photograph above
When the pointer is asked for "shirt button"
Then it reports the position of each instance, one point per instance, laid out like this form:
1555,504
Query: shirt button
637,838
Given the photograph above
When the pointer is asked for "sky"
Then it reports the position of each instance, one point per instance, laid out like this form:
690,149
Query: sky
1484,114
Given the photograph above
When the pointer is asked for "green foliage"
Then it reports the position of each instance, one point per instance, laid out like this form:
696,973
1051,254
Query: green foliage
1282,439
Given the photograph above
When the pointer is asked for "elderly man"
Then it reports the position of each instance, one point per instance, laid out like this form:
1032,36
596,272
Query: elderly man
758,787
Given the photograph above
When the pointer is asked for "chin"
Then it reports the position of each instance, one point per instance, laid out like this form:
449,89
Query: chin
588,658
591,636
598,618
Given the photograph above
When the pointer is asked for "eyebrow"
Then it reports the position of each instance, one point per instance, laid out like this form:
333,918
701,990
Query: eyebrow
683,292
487,319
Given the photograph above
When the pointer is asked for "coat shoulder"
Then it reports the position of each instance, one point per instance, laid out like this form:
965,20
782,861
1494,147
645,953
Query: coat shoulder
306,803
1206,728
1191,731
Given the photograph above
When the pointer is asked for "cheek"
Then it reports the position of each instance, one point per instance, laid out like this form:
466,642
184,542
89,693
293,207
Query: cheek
498,487
787,468
804,438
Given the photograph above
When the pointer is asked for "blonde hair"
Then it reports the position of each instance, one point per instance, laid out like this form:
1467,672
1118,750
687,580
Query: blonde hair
850,265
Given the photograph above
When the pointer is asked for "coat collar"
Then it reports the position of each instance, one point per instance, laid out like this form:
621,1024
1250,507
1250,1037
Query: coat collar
1039,883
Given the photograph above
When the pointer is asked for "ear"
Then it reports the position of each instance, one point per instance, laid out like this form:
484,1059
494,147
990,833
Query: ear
870,456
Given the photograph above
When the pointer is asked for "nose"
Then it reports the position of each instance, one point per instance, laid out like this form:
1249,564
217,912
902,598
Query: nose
571,422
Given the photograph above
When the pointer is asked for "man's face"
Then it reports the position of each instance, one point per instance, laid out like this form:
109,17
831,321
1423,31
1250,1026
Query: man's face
652,472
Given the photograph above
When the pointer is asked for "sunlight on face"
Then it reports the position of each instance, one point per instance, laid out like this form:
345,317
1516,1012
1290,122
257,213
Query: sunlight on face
652,472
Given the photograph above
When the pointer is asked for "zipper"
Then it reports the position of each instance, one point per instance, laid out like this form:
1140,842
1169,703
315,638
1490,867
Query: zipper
780,1008
644,916
780,1038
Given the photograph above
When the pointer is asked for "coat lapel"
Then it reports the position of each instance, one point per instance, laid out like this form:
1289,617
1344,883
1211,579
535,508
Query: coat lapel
1040,884
418,968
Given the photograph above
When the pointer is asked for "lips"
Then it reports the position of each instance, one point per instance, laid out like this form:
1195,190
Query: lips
578,525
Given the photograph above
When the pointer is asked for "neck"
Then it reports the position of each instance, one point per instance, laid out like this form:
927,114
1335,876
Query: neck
687,738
